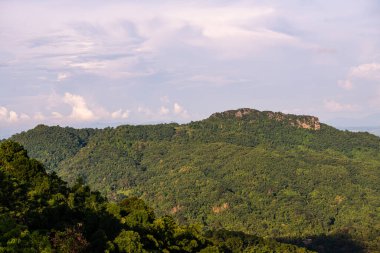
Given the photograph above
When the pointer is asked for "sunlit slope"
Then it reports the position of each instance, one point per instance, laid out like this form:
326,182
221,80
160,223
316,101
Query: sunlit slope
268,173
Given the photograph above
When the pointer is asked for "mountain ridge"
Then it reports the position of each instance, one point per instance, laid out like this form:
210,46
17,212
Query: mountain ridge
252,173
301,121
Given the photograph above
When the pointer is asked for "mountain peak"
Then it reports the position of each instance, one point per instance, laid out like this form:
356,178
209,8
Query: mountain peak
300,121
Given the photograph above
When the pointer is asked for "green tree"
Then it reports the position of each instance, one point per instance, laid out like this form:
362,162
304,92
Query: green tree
129,242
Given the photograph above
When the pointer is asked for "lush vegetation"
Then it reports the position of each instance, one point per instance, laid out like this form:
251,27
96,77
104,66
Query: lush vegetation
39,213
259,173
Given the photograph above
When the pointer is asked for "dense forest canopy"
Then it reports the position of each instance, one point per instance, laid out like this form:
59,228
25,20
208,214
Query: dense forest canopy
270,174
40,213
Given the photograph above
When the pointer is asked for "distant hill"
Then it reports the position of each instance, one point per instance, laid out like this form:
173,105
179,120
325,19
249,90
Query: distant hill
277,175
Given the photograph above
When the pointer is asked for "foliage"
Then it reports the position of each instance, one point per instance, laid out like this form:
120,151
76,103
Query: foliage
40,213
257,173
51,145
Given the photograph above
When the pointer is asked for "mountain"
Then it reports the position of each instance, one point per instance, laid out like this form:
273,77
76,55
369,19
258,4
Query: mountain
39,213
275,175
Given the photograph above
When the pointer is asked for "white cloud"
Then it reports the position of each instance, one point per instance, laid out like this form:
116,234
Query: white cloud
180,111
138,32
13,117
164,110
120,114
56,115
345,84
177,108
94,65
80,110
370,71
62,76
10,116
4,114
270,44
163,113
334,106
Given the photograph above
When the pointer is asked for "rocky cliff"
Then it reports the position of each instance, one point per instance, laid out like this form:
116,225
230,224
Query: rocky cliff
300,121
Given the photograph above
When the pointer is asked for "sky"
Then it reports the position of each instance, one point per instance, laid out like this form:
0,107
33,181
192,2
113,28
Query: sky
98,63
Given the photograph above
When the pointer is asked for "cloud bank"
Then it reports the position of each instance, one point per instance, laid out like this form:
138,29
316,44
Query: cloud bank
68,62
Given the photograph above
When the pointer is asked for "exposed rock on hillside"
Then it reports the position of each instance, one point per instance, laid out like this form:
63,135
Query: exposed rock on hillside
301,121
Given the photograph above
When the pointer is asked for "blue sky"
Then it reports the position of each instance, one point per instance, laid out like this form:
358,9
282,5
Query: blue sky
97,63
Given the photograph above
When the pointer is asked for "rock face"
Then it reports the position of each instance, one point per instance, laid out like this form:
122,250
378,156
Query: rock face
252,115
308,122
221,208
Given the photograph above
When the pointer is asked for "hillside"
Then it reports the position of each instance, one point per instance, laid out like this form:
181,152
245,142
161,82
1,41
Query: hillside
272,174
39,213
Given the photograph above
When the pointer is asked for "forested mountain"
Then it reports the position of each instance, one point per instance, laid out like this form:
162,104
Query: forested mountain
271,174
39,213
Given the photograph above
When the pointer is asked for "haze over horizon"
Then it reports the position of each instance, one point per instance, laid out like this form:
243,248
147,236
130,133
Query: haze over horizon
96,63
